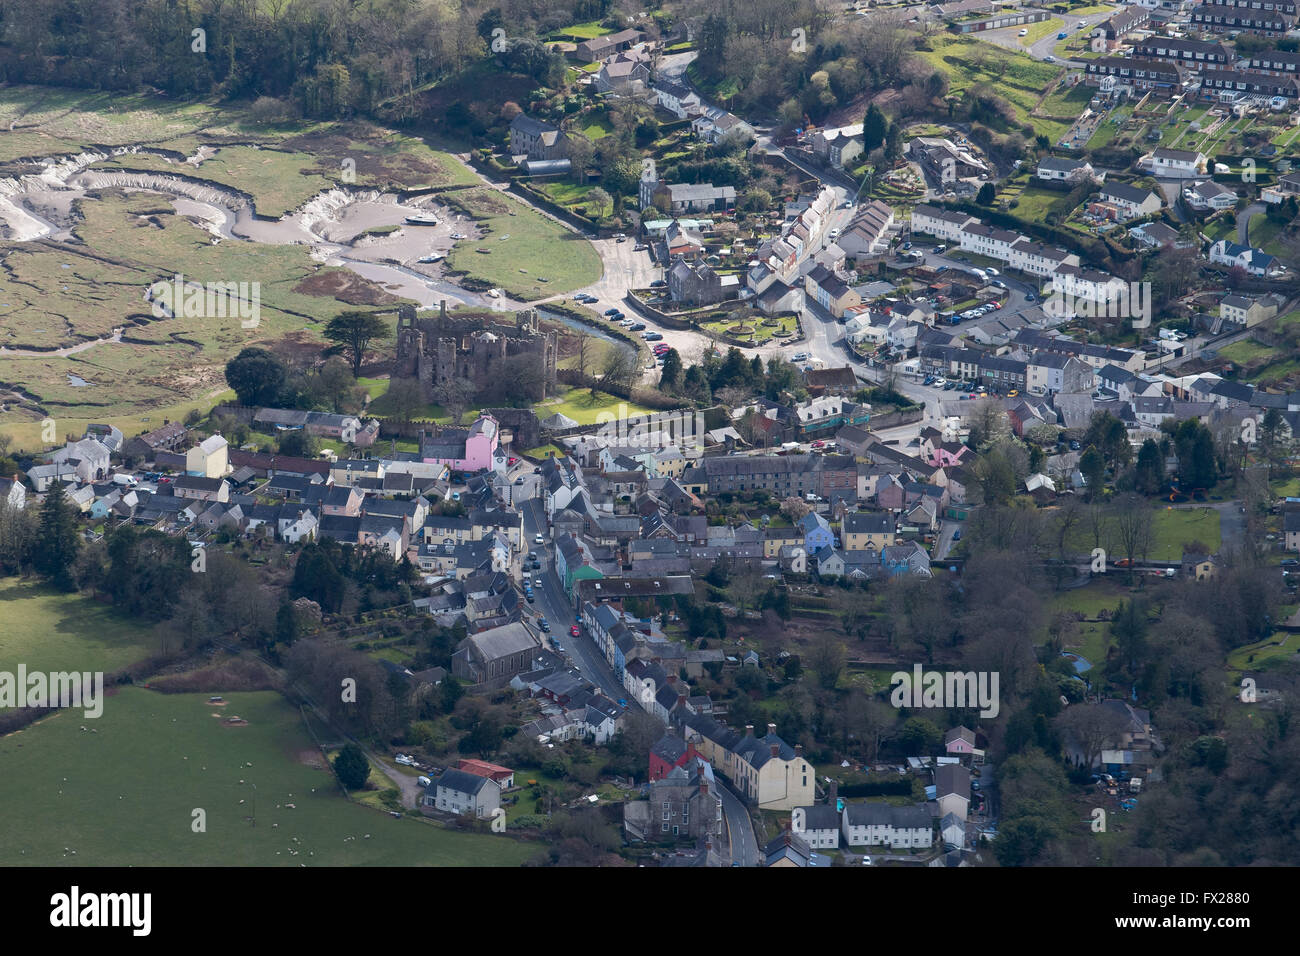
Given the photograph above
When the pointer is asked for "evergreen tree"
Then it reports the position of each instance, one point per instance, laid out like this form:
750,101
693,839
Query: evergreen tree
875,127
352,767
56,549
1149,476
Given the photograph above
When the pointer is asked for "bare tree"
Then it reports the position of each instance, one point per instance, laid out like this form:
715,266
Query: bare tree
584,343
455,396
1133,525
827,659
404,399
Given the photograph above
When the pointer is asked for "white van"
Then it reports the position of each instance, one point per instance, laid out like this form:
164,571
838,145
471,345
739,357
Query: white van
127,480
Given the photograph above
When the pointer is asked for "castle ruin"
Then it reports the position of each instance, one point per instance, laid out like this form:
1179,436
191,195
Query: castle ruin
439,347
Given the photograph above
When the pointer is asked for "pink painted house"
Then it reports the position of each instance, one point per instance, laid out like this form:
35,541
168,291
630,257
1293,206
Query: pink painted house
959,740
467,450
947,454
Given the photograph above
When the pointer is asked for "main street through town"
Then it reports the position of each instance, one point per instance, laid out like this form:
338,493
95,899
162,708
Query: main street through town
551,603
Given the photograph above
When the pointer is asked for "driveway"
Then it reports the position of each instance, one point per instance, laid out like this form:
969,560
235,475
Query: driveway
1243,222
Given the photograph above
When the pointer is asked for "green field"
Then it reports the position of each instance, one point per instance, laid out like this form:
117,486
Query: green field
125,794
1017,77
517,238
1170,528
51,631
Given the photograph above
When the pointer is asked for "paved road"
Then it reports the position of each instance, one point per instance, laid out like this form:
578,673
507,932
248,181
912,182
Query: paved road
739,828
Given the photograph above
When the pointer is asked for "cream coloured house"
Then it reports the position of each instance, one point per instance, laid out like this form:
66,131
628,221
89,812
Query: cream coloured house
208,459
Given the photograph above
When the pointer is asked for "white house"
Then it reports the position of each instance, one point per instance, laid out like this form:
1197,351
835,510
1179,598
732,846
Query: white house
1257,262
676,99
1038,259
87,458
1052,169
941,223
880,824
819,825
1209,195
1175,163
464,793
1130,201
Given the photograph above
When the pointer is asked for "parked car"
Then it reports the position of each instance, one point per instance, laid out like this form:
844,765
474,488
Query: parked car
575,630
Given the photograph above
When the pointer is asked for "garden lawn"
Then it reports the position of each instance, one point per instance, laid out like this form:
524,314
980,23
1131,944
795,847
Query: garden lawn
1244,351
578,404
126,795
1279,647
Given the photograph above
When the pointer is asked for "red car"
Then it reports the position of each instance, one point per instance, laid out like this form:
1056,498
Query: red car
818,444
164,480
513,461
573,629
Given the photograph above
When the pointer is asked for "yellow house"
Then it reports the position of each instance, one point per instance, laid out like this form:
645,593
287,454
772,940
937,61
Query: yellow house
1199,567
771,773
695,480
209,459
867,531
669,462
774,539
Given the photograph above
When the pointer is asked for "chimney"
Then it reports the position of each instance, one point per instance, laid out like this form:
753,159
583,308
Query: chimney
776,749
771,728
672,679
749,730
798,750
681,700
834,797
